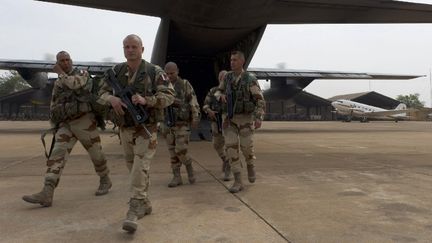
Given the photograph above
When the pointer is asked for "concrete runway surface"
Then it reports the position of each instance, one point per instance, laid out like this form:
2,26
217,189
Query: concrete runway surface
316,182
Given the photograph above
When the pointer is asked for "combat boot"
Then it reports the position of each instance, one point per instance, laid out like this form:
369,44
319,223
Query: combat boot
44,197
130,223
176,180
251,173
227,172
104,185
190,173
145,208
238,185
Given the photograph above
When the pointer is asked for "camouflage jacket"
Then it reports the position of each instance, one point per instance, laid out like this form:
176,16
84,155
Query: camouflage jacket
71,96
186,106
210,101
248,97
149,82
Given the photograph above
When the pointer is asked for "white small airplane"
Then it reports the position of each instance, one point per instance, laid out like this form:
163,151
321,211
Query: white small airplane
355,109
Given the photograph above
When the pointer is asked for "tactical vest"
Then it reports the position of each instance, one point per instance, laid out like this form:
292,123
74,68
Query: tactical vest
243,100
183,112
145,85
72,103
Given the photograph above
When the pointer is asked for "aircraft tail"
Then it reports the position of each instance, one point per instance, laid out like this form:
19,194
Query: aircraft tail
401,106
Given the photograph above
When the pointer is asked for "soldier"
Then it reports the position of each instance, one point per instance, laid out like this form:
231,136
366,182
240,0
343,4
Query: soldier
213,108
186,114
154,92
73,116
248,112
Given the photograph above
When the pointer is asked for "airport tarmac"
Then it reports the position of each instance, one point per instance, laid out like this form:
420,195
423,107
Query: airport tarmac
316,182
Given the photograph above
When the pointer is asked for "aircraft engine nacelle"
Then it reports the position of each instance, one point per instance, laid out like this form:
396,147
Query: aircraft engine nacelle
35,78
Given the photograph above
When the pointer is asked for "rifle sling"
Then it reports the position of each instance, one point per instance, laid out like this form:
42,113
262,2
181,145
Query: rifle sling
53,131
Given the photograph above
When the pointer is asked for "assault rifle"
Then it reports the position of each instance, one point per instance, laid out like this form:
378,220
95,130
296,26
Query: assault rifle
170,116
138,113
218,116
217,108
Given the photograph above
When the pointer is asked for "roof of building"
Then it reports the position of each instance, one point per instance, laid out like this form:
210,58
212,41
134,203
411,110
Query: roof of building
370,98
307,99
31,95
302,98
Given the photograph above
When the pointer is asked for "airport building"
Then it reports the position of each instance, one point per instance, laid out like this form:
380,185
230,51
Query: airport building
308,107
28,104
33,104
303,106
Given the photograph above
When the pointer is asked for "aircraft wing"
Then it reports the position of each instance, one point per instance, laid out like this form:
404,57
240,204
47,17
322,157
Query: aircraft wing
302,78
389,113
260,73
247,13
270,73
47,66
298,78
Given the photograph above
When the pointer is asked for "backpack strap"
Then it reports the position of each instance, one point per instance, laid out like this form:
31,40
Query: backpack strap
151,71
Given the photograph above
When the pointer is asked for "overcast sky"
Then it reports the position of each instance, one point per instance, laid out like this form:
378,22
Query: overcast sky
37,30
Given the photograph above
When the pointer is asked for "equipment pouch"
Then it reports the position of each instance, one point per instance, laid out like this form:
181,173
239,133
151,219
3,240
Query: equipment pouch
159,115
71,110
249,107
183,113
57,114
238,107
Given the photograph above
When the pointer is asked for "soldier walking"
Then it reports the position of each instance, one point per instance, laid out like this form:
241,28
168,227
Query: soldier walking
154,93
184,115
73,113
241,91
213,108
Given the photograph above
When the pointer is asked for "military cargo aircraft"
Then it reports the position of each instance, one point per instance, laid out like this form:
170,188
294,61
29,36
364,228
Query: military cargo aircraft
199,34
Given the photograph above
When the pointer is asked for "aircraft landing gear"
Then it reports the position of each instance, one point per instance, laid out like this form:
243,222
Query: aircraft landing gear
363,120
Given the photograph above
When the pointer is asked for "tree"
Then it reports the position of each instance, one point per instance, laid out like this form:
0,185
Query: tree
12,82
411,100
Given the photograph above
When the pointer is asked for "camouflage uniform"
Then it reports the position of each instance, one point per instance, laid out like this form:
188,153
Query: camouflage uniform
72,112
249,106
138,148
186,110
211,103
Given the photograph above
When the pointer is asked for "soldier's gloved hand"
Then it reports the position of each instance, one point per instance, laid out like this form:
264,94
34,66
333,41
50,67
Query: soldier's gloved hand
258,123
117,104
138,99
211,114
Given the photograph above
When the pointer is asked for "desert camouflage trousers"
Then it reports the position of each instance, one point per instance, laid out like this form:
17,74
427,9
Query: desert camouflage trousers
84,130
177,139
218,142
139,150
239,133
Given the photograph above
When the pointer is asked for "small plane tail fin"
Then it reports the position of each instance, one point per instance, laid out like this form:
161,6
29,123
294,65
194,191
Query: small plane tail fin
401,106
